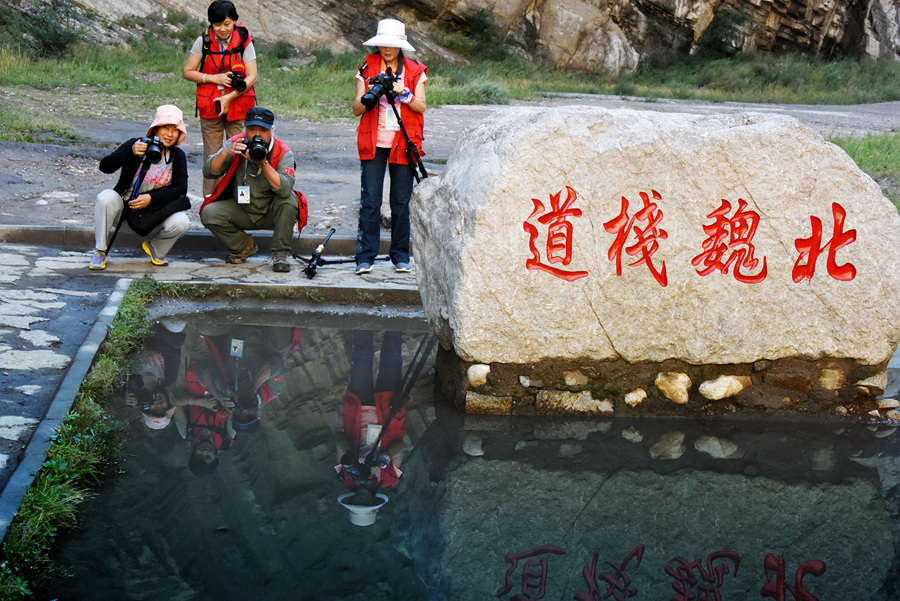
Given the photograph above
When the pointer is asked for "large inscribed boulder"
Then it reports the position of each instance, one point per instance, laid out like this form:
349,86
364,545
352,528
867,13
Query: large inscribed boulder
581,233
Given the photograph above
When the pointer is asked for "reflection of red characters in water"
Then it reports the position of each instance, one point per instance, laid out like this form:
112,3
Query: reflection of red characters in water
647,237
534,573
734,233
705,588
810,249
778,588
618,583
559,236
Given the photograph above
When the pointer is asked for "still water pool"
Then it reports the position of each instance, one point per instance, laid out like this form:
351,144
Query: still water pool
241,439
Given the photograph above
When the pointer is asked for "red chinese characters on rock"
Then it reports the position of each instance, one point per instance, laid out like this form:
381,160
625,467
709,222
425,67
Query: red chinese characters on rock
728,245
688,587
534,573
558,248
809,249
777,589
646,244
734,236
618,584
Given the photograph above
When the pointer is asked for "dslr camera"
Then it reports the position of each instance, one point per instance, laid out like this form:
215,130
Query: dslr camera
238,82
153,154
382,84
257,148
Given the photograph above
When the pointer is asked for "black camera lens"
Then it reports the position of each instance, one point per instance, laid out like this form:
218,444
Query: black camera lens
380,85
257,149
238,83
153,154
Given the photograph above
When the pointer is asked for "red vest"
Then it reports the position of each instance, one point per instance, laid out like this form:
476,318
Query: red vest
221,60
413,122
202,421
279,149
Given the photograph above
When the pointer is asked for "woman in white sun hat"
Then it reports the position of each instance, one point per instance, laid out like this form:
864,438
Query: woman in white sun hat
382,146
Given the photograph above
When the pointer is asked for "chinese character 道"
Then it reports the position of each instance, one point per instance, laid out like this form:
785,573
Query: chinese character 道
558,248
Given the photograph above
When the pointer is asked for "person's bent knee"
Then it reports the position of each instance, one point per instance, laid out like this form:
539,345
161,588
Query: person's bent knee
109,197
179,223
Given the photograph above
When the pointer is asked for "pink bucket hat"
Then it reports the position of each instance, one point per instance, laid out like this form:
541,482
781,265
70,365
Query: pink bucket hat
158,423
169,114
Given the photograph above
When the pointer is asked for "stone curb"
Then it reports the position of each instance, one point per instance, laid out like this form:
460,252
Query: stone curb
36,450
193,241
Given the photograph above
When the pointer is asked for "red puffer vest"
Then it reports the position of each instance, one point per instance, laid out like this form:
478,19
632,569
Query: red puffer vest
413,122
223,60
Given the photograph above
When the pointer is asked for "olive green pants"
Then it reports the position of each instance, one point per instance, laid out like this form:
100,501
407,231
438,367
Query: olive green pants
229,222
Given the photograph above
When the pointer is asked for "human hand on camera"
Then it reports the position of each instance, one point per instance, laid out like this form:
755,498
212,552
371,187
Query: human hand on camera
222,104
139,148
406,96
140,202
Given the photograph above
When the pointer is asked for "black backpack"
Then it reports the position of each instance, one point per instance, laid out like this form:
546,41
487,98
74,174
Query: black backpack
207,45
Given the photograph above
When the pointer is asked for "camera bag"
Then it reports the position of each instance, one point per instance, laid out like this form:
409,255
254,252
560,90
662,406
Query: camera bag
143,221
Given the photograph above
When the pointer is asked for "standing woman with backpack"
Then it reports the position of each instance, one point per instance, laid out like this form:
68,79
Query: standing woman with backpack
222,63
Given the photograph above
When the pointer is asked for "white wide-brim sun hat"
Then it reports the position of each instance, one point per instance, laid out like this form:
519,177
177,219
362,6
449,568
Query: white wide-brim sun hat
391,33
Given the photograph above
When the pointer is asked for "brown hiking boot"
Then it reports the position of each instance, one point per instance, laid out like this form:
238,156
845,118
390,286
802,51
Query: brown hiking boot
281,261
238,258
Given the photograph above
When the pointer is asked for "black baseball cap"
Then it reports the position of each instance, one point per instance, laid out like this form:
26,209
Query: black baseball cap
259,116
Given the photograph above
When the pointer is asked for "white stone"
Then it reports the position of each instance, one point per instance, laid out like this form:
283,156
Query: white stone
717,448
575,378
669,446
27,360
477,374
674,386
486,304
888,403
635,397
632,435
472,445
529,383
563,401
39,337
723,387
875,384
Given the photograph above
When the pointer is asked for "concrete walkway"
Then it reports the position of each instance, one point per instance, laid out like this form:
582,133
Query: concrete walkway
54,312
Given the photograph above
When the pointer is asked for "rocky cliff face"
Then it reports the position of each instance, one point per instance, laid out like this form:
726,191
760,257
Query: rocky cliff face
590,35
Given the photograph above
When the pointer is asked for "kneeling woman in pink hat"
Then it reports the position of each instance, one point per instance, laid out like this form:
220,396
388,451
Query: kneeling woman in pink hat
152,190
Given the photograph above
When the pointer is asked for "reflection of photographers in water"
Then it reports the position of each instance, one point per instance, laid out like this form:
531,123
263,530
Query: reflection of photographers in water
229,377
374,415
149,387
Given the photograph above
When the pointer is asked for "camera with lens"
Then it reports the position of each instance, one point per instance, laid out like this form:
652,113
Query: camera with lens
153,154
257,148
381,84
238,82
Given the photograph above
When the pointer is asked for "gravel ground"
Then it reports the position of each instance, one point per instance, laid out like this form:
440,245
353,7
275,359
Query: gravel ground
52,184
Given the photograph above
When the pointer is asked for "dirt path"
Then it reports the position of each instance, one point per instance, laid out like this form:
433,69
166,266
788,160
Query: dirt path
49,184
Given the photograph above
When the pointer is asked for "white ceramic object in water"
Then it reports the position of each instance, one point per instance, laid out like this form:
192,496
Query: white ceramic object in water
362,515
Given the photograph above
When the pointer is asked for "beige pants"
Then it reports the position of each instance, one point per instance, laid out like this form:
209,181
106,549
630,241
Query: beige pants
215,132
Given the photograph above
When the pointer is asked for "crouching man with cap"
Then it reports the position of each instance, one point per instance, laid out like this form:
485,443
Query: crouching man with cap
255,192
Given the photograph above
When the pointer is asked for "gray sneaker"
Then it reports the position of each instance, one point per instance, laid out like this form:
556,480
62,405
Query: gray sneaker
401,267
363,268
